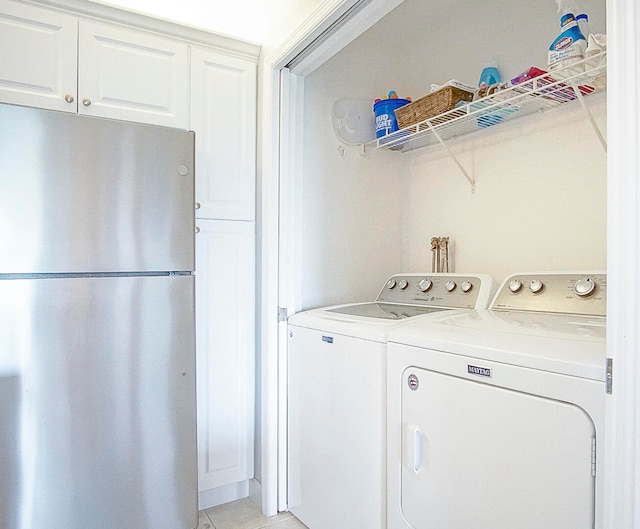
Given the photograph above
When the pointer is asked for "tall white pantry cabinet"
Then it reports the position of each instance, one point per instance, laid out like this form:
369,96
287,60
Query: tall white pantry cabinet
223,115
57,59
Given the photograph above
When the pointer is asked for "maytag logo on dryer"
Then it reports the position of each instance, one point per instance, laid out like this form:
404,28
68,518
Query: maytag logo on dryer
479,371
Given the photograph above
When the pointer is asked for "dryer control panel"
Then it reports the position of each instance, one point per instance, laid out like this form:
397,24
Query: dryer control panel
564,293
458,291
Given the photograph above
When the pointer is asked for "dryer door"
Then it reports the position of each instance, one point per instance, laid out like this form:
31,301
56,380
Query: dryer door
481,456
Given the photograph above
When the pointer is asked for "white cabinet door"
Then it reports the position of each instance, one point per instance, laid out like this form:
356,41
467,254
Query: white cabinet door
132,75
223,115
225,308
38,58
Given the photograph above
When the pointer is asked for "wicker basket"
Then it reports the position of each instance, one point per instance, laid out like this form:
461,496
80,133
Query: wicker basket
431,105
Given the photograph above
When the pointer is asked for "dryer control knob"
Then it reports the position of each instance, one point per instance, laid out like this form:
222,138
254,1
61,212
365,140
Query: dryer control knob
425,284
584,287
450,286
515,285
403,284
536,286
391,283
466,286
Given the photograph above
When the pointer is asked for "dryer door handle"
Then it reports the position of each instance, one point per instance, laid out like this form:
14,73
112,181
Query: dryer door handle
415,449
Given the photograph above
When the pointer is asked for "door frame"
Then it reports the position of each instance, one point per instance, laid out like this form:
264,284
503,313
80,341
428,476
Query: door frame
622,452
318,40
333,25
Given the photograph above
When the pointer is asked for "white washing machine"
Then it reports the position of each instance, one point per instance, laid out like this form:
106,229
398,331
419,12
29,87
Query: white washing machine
337,396
496,417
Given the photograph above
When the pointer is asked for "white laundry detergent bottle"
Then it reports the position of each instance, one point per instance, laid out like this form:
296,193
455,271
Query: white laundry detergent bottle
569,47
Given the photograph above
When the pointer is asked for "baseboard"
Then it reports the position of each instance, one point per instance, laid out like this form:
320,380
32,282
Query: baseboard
225,494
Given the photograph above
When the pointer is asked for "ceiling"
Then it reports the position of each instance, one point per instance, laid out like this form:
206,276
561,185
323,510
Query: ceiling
245,19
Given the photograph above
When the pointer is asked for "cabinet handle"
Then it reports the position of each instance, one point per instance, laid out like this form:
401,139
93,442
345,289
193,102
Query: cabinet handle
197,205
69,98
197,230
86,101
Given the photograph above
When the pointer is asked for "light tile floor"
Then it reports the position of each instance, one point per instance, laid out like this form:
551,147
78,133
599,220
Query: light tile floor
244,514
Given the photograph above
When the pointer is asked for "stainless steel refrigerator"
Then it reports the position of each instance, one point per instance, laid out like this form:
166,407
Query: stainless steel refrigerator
97,346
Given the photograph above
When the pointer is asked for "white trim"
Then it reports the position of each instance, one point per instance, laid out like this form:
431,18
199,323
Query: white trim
622,459
268,237
321,18
290,191
225,494
343,35
290,235
286,136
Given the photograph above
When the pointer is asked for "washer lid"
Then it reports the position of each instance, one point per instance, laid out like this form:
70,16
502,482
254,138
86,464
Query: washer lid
386,311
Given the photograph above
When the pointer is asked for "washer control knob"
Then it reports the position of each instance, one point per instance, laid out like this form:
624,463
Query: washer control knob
466,286
403,284
515,285
584,287
450,286
536,286
425,284
391,284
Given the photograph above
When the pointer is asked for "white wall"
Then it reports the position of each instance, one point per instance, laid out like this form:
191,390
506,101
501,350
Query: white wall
540,201
351,216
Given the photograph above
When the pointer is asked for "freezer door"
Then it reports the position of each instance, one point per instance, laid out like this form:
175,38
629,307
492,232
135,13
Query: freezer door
97,409
83,194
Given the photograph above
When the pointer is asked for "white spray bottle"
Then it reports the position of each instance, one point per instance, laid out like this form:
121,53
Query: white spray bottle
570,45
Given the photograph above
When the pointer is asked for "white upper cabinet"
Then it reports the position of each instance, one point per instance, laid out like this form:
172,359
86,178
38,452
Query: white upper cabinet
38,59
59,62
223,116
132,75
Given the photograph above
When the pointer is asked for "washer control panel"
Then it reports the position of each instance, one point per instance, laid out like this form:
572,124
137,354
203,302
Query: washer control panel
566,293
438,290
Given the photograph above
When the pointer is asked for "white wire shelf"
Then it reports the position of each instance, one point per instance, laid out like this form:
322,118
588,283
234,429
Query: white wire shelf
535,95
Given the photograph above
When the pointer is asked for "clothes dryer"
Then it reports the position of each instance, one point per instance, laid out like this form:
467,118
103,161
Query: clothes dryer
337,395
496,417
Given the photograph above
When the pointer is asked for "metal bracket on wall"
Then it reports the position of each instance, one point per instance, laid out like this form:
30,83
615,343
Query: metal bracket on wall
469,178
584,106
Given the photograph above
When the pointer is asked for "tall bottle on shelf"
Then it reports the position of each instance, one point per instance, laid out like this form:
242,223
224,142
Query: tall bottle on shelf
569,47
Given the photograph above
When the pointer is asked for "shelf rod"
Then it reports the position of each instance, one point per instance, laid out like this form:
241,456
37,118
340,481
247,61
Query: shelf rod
453,157
594,125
